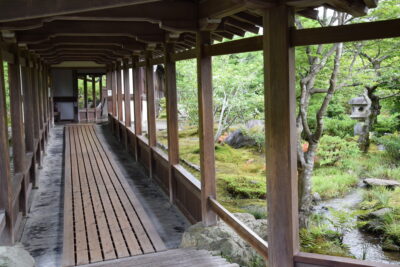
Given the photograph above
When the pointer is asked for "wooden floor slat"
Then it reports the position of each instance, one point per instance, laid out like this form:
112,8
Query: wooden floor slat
103,220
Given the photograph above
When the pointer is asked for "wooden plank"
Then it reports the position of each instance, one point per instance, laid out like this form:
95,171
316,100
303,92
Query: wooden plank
133,205
5,176
137,227
86,180
127,95
281,137
241,229
206,128
99,197
111,217
118,223
80,234
68,257
172,116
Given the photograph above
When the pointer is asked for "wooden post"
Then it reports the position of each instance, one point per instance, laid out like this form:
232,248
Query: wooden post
101,91
94,96
16,100
119,93
6,188
36,113
206,128
28,107
151,112
40,97
127,94
114,90
85,96
17,122
281,139
137,96
172,115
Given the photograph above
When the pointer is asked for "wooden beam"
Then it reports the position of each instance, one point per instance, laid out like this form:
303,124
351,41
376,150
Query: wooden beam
206,128
151,111
6,195
281,139
127,94
26,9
347,33
172,116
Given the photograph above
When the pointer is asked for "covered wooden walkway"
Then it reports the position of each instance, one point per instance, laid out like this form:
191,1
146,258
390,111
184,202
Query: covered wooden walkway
103,220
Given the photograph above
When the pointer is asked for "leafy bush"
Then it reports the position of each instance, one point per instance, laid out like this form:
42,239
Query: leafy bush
331,182
245,186
387,124
333,149
257,134
392,145
342,126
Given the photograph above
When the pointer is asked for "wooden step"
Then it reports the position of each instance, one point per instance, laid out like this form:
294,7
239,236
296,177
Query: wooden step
175,257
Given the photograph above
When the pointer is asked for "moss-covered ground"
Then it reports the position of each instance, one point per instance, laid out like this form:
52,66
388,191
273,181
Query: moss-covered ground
241,187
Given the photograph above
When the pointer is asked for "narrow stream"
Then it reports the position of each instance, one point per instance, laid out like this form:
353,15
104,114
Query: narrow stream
359,243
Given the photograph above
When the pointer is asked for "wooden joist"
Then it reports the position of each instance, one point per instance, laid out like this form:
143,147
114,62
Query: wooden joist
103,219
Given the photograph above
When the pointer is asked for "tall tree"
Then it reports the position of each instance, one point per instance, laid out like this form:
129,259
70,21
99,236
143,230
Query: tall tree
317,77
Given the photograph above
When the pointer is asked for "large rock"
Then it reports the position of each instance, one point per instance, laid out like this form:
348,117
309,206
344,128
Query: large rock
237,140
15,257
222,240
381,182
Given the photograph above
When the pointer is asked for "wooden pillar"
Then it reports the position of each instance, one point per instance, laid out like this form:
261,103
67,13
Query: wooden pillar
101,89
36,113
151,112
281,139
28,107
40,97
206,128
85,97
6,188
127,94
94,97
17,123
114,90
172,115
16,100
119,92
137,96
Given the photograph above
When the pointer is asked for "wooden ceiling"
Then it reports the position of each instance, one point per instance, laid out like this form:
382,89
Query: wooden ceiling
107,30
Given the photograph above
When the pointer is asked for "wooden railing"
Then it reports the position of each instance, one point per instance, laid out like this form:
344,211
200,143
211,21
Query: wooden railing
259,244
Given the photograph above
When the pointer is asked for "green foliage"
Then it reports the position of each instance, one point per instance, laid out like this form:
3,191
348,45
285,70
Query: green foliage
341,126
257,134
332,182
387,124
333,149
319,238
392,145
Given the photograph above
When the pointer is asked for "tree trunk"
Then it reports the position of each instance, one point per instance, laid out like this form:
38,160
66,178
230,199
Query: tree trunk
305,186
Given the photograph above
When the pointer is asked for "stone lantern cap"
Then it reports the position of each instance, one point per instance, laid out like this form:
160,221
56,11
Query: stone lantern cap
358,101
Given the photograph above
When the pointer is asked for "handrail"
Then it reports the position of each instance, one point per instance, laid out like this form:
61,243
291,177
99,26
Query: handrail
240,228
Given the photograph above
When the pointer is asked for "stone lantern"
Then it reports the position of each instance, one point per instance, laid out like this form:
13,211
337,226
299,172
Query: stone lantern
360,110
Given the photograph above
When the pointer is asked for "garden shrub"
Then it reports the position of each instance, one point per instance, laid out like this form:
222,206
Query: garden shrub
392,145
387,124
342,126
333,149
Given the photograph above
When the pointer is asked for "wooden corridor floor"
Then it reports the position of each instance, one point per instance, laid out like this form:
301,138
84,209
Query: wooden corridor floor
103,220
